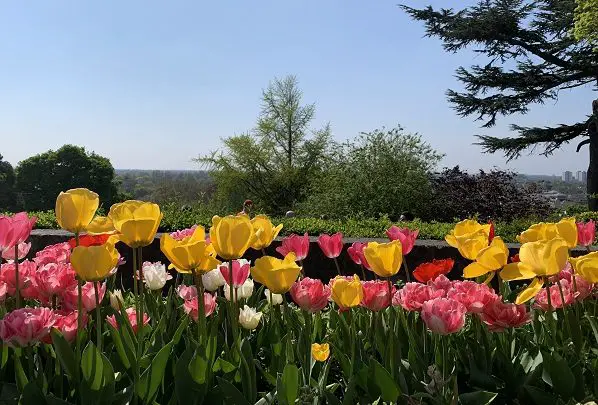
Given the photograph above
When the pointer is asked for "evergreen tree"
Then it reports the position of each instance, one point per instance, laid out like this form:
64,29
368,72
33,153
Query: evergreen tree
7,183
531,57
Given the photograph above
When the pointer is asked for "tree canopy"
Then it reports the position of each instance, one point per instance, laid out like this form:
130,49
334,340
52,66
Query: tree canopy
7,183
586,21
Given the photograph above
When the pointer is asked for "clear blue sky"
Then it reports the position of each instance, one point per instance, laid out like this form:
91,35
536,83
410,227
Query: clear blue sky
152,84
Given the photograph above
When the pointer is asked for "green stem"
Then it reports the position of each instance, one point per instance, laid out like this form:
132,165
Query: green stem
234,317
308,332
407,273
98,316
136,371
79,318
338,268
201,312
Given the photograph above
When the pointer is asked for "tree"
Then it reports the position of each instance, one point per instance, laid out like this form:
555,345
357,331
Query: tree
531,58
7,183
274,163
40,178
586,21
382,172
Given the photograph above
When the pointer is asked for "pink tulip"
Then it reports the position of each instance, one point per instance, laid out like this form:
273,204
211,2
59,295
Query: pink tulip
472,295
88,297
406,236
556,301
8,276
58,253
376,295
500,315
355,252
443,315
241,269
26,326
332,246
191,306
187,292
132,316
586,233
23,249
296,244
66,323
441,283
14,230
183,233
413,296
581,288
310,294
3,291
53,279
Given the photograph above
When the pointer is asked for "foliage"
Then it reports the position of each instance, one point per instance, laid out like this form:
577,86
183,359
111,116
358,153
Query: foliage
40,178
385,171
272,164
586,18
493,195
7,183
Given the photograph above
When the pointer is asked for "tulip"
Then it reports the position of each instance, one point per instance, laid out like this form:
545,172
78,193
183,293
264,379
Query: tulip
332,246
240,272
469,237
53,279
310,294
586,233
243,292
26,326
566,229
376,295
276,274
538,260
586,266
75,209
406,236
14,230
320,352
69,298
26,273
155,275
556,300
191,306
273,299
249,318
472,295
187,292
89,240
100,225
499,316
429,271
231,236
58,253
488,260
413,296
22,250
346,292
441,283
443,316
356,254
3,291
94,263
265,231
213,280
581,288
66,323
189,254
117,300
296,244
183,233
385,259
136,221
132,317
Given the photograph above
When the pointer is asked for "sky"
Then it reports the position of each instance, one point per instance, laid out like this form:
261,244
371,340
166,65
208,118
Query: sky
153,84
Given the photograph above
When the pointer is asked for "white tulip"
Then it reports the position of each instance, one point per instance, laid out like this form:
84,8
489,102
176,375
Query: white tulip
212,280
249,318
244,291
155,275
116,300
276,298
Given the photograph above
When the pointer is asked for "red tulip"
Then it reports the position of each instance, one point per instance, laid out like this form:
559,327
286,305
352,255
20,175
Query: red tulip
14,230
586,233
241,269
376,295
310,294
406,236
89,240
355,252
429,271
296,244
332,246
499,316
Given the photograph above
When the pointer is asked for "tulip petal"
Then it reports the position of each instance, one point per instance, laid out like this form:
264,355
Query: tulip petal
475,269
530,291
517,271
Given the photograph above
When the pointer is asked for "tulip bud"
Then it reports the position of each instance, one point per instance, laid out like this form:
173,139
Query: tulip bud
249,318
276,298
212,280
155,275
116,300
243,292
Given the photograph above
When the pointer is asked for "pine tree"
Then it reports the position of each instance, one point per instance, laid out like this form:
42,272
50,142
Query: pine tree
531,57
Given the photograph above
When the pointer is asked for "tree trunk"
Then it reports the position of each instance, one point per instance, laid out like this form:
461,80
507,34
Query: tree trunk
592,186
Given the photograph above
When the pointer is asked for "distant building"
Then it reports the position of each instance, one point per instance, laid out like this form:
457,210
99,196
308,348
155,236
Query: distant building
581,176
567,176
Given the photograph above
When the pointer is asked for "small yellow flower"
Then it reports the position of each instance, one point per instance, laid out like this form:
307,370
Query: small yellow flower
469,237
276,274
320,352
347,292
189,254
586,266
94,263
265,231
231,236
385,259
136,221
75,209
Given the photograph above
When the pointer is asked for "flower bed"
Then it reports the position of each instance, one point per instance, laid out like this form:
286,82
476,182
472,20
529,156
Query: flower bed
226,330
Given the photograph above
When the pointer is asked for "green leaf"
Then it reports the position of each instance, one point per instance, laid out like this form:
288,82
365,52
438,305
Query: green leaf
124,354
593,325
288,389
198,366
540,397
152,377
180,330
64,352
51,399
389,389
3,355
331,399
225,366
231,393
558,374
186,390
92,366
20,376
248,378
477,398
32,395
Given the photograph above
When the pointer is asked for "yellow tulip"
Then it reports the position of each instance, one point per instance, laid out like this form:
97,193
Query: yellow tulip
265,231
347,292
469,237
565,229
94,263
320,352
231,236
100,225
538,260
489,259
190,254
75,209
276,274
136,221
586,266
385,259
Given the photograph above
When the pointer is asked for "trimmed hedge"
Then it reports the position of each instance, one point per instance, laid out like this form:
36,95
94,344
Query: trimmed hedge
180,218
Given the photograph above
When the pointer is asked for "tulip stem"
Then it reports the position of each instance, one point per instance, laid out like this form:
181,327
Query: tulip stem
308,333
363,272
98,316
407,273
201,312
234,314
18,288
138,356
338,268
